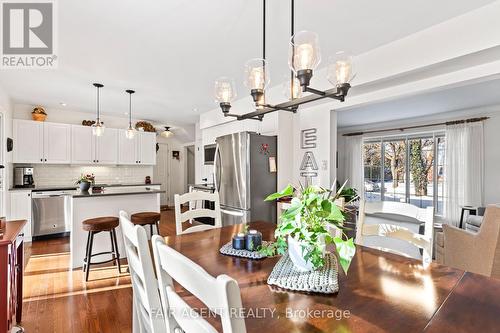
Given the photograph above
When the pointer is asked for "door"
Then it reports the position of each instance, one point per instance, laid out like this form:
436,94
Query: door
190,166
82,145
57,143
147,148
231,165
28,141
107,147
160,173
127,151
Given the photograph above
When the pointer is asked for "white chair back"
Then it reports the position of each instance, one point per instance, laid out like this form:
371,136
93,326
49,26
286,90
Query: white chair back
193,214
400,222
148,314
221,294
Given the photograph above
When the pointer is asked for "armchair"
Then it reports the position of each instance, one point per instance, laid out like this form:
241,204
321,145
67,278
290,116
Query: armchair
475,252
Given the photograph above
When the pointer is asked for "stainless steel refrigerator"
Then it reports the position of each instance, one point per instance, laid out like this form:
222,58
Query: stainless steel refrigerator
244,174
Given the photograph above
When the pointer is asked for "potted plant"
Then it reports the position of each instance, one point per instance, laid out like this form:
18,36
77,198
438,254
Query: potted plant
39,114
306,228
85,181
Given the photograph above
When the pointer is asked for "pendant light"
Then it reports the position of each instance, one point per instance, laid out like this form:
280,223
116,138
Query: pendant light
167,133
130,132
98,127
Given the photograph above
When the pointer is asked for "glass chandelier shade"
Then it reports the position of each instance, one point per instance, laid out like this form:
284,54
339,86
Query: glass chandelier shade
340,69
304,53
225,91
257,74
130,131
98,128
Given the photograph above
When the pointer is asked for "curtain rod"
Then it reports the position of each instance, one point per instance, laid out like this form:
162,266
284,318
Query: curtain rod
447,123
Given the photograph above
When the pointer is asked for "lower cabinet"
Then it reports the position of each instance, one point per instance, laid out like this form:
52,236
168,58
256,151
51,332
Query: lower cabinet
20,209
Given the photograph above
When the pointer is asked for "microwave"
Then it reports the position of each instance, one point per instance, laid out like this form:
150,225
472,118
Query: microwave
209,153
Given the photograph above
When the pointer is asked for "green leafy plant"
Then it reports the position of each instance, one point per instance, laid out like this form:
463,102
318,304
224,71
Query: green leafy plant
312,213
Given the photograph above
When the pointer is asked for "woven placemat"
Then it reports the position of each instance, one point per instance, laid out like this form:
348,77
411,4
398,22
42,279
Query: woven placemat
228,250
323,280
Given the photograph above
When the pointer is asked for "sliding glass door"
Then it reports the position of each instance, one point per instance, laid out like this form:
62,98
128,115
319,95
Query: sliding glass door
405,169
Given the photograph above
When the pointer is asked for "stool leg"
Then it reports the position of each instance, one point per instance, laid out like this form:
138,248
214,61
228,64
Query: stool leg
117,253
86,253
157,229
112,247
89,256
151,230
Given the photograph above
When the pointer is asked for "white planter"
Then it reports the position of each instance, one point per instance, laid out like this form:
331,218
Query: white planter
295,253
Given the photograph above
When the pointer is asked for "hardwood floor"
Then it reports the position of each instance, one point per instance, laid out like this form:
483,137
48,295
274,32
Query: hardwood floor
57,299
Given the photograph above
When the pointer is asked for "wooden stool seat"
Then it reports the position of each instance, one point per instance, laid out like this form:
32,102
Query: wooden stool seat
146,218
95,226
101,223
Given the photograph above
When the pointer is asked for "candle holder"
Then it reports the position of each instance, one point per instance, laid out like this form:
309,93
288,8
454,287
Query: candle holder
253,240
239,241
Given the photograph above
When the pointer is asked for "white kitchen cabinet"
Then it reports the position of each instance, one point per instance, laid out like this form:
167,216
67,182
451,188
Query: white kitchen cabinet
82,145
56,143
146,148
20,209
127,149
107,147
28,141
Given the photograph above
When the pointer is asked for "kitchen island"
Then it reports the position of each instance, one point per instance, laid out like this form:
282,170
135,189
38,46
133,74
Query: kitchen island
86,205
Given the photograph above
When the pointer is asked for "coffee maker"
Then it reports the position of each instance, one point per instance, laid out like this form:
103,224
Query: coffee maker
23,177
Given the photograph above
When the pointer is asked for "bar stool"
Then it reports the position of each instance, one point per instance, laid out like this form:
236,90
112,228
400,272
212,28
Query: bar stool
95,226
145,218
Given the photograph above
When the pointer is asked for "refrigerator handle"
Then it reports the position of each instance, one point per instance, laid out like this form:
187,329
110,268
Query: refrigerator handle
216,161
231,212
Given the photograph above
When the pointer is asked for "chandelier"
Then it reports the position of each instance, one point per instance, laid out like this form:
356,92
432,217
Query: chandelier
303,58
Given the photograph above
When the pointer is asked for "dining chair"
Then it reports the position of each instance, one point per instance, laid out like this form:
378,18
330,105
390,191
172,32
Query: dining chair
395,227
193,214
147,309
220,294
475,252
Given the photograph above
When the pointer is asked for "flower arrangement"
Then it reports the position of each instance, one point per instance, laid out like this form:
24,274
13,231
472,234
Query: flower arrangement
308,224
88,178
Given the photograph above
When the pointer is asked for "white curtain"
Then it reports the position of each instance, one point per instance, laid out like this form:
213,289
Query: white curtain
464,169
354,163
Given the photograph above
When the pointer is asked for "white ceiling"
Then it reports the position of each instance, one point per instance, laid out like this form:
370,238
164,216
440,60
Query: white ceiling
170,52
460,98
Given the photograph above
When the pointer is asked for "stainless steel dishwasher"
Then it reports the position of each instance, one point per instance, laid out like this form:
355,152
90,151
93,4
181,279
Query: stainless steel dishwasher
50,212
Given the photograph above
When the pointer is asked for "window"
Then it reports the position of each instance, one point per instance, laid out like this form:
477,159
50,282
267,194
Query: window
405,169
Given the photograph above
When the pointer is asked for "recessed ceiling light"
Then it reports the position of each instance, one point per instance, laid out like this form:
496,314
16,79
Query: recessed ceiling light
63,104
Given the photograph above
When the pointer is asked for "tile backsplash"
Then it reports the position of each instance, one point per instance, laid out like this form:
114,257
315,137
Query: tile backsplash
64,175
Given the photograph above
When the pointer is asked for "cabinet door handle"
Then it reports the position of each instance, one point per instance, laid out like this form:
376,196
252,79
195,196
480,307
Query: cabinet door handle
97,161
41,160
45,160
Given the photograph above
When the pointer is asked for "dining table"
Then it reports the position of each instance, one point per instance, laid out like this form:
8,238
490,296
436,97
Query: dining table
381,292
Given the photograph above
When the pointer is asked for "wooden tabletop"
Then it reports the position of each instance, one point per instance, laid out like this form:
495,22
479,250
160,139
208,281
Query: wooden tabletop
10,230
383,292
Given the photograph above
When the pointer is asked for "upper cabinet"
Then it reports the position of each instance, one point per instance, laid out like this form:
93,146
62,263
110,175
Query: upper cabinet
127,149
146,148
82,145
55,143
28,141
107,147
40,142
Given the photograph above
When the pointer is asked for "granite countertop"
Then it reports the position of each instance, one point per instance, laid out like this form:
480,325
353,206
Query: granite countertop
75,187
113,191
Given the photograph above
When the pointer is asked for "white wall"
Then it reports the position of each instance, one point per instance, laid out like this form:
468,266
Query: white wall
6,109
491,140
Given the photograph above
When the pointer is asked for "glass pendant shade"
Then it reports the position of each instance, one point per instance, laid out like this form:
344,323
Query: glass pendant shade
98,129
292,91
225,91
167,133
257,74
130,133
304,51
340,69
